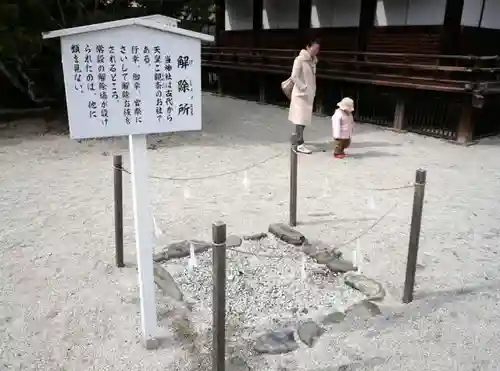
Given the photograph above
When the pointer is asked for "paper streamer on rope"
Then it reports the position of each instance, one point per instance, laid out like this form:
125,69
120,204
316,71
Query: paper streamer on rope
187,193
357,257
303,274
192,257
158,232
326,188
371,202
339,303
246,181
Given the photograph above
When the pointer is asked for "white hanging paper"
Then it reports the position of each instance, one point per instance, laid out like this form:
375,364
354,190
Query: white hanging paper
341,307
326,188
158,232
371,202
303,274
355,259
192,257
187,193
246,181
358,261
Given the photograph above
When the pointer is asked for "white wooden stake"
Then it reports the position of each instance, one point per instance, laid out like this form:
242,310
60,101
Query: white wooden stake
143,238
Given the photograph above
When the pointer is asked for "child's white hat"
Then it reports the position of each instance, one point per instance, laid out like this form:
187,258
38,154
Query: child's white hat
346,104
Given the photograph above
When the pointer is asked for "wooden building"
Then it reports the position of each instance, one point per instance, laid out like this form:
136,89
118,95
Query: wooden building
427,66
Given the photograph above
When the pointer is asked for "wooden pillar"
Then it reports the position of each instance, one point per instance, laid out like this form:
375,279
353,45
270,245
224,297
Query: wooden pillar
399,115
262,89
258,6
320,108
220,20
465,128
305,7
450,38
219,82
366,22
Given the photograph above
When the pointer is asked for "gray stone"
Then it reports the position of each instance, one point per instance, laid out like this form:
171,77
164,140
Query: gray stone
364,309
370,288
276,342
310,250
151,344
332,318
315,249
237,363
159,257
362,365
321,246
287,234
340,266
180,249
309,332
323,257
255,237
166,282
233,241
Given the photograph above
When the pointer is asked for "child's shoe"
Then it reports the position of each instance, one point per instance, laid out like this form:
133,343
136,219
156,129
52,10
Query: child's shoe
338,155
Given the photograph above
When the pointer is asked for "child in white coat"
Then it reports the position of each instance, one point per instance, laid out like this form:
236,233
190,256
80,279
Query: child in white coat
342,125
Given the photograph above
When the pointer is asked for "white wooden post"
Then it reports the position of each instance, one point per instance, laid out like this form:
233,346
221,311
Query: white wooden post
143,237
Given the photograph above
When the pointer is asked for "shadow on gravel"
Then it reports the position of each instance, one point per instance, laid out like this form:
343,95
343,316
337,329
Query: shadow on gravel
368,144
450,295
428,302
363,365
368,154
491,141
334,220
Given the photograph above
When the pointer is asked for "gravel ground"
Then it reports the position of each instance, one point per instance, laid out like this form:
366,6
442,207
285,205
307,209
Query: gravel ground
64,306
264,292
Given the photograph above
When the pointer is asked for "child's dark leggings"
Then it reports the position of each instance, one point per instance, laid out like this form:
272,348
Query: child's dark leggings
341,145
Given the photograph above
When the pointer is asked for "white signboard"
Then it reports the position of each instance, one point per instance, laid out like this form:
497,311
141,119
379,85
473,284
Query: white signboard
131,80
133,77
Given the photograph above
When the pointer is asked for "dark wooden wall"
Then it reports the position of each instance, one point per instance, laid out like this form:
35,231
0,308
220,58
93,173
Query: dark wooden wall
450,38
409,39
379,39
336,38
405,39
331,38
237,39
479,41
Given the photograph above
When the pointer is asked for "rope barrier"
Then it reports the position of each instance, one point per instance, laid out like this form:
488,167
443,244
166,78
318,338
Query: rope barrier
268,159
411,185
246,168
354,239
187,179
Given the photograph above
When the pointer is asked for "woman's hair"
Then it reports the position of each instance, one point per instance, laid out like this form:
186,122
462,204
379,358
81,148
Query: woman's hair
312,42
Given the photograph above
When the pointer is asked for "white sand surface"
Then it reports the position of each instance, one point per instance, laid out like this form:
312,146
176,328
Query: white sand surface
65,306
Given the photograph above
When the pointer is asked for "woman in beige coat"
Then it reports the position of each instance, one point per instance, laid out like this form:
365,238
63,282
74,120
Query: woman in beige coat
304,91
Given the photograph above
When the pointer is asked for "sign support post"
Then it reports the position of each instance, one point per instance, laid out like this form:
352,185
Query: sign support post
143,237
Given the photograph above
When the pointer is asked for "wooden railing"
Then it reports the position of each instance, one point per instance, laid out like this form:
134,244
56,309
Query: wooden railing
454,73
